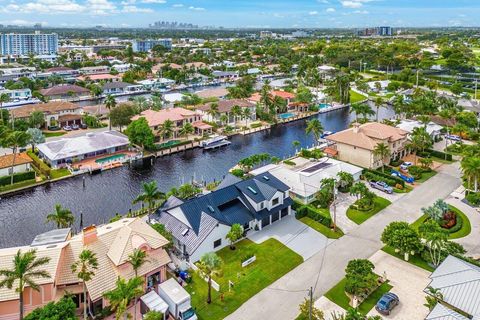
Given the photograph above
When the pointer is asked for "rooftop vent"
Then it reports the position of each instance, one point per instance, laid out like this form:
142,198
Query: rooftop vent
211,209
184,232
266,178
252,190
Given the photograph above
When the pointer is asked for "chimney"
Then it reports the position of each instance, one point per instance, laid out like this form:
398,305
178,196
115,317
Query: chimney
89,235
356,127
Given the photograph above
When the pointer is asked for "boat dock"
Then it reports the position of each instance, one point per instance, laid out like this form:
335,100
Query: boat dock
218,144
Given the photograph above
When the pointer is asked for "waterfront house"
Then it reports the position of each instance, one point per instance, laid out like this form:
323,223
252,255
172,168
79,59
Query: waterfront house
23,163
17,94
120,87
225,108
225,75
219,93
65,92
356,145
95,70
433,129
60,153
179,116
304,179
458,282
56,113
287,96
111,243
200,225
104,77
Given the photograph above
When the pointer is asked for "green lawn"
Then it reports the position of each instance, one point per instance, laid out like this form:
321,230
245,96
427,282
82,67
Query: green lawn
327,232
338,296
463,232
415,260
356,97
426,176
17,185
58,173
49,134
273,261
360,217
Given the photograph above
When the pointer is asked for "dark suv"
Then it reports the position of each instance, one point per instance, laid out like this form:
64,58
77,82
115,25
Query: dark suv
386,303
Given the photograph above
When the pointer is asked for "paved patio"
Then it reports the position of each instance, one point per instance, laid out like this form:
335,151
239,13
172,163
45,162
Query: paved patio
294,234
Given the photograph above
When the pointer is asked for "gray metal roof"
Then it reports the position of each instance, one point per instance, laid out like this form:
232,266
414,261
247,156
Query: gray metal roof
440,312
459,283
51,237
229,180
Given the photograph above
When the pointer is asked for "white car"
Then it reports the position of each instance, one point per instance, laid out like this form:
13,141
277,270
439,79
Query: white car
405,165
453,137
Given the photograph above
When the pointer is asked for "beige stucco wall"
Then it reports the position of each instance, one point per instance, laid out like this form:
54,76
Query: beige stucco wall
354,155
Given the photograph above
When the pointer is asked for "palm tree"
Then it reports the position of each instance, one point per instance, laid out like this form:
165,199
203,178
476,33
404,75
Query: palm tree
471,170
137,258
246,114
420,140
84,268
110,103
378,104
265,97
187,129
398,104
121,296
24,272
236,111
166,129
4,98
315,128
296,144
224,119
345,180
382,151
15,140
62,217
363,109
210,265
434,296
213,111
150,195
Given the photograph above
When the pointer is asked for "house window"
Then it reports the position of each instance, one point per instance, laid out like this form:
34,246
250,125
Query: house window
275,202
217,243
261,205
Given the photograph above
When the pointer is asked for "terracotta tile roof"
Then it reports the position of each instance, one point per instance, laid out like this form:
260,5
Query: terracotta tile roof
368,135
256,97
63,89
202,125
7,160
94,77
57,69
51,107
216,92
227,105
156,118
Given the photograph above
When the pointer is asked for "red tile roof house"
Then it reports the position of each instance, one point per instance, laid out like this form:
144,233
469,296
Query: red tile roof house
287,96
179,116
111,243
56,113
225,108
65,92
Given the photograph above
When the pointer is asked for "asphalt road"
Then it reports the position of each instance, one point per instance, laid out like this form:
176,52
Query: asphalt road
323,270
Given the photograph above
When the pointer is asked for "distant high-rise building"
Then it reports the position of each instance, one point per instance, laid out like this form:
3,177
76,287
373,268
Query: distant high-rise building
172,25
385,31
147,45
24,44
37,26
378,31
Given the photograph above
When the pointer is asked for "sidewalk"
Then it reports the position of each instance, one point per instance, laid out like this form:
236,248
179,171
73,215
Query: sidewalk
471,242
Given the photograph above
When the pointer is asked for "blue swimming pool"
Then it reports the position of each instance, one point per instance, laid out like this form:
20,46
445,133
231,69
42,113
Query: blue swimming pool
324,105
286,115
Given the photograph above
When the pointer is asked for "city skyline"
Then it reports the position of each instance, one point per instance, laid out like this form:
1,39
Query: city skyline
245,13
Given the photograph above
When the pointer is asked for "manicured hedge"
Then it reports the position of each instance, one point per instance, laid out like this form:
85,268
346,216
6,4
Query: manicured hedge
385,177
17,177
316,215
42,166
439,154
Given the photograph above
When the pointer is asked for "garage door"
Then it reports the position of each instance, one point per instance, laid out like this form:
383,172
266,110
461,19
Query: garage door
284,212
265,221
275,216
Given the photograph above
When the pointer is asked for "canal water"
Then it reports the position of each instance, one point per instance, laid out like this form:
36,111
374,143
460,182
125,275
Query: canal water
22,216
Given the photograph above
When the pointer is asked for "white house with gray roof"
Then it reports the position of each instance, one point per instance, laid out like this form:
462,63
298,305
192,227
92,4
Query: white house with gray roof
459,283
200,225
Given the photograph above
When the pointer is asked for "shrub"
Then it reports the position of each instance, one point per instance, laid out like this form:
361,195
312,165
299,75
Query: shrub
17,177
255,125
238,173
42,166
396,163
458,223
380,176
289,163
439,154
314,214
416,172
363,204
473,198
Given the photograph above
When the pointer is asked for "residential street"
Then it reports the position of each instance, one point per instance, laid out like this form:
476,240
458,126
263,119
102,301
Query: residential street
281,299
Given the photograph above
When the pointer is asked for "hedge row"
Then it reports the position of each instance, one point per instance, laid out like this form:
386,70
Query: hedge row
17,177
308,211
440,154
42,166
380,176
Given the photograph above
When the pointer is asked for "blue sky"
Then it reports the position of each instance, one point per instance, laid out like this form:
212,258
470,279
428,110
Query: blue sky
243,13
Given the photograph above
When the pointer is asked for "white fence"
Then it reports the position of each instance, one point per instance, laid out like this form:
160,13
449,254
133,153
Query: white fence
215,285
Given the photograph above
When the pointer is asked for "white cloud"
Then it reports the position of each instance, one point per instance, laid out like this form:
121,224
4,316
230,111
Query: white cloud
135,9
313,13
196,8
330,10
323,1
351,4
177,5
361,12
45,7
154,1
101,7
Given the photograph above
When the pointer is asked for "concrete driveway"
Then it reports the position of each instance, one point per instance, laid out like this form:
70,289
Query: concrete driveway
294,234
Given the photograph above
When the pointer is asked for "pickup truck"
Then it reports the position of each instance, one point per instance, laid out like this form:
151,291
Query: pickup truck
380,185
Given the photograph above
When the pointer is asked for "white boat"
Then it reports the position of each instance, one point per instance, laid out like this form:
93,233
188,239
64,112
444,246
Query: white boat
18,103
213,140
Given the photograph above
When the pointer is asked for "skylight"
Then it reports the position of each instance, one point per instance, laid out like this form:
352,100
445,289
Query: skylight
266,178
211,209
185,232
252,190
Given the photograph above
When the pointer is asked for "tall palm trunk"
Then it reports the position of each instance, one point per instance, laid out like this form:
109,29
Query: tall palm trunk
135,302
13,165
209,298
21,305
84,302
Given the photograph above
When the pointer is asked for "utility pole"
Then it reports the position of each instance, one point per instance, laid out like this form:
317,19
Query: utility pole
334,206
311,304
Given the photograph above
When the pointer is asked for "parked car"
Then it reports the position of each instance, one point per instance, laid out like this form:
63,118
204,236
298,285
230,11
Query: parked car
386,303
383,186
53,128
83,126
67,128
406,165
75,127
405,178
453,137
